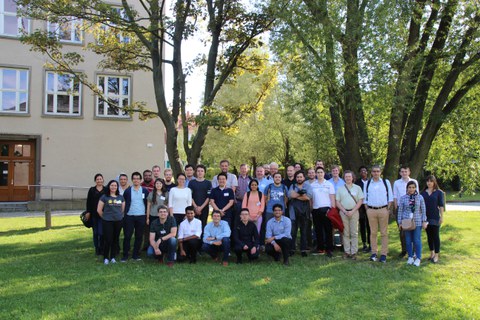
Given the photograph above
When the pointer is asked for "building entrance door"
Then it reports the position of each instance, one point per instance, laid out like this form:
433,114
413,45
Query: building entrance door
17,170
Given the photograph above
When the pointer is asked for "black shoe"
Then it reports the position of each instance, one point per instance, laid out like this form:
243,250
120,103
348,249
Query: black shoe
286,263
365,249
329,254
292,252
304,254
402,254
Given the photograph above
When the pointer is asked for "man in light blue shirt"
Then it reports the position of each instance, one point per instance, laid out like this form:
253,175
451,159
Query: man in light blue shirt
216,237
278,235
336,180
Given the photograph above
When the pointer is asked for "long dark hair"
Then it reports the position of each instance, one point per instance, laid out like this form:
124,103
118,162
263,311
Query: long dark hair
108,187
155,190
434,180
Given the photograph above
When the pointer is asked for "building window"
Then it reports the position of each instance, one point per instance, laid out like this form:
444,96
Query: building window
116,90
110,28
13,90
67,29
10,23
62,95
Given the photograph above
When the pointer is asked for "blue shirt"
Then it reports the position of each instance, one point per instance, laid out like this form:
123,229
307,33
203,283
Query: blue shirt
218,232
262,184
337,184
137,205
279,229
277,196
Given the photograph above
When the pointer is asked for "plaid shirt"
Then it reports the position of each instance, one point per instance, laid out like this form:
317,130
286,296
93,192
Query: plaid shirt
404,209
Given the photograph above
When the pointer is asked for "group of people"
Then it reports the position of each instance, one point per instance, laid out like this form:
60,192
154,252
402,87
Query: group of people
257,214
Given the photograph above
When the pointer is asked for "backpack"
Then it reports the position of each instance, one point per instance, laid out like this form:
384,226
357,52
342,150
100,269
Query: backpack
368,184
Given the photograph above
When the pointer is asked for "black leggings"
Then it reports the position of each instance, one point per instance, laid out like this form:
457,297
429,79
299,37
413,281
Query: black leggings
111,235
433,236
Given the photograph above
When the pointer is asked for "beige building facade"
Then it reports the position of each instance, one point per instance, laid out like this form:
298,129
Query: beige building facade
54,132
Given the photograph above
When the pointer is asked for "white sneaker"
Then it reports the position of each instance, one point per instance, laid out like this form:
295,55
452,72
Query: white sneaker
105,261
417,263
113,260
410,261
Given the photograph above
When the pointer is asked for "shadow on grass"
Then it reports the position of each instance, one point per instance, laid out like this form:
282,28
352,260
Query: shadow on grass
20,232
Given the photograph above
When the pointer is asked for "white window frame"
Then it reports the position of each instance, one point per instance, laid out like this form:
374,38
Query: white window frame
17,90
108,95
73,24
20,21
106,27
70,93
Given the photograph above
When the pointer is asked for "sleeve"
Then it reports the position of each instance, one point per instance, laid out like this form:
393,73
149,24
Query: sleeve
189,199
231,195
214,182
235,236
198,228
360,195
395,191
170,198
234,181
332,189
89,203
292,188
390,193
207,234
226,232
365,193
262,202
268,230
423,209
180,231
244,201
309,189
401,208
441,199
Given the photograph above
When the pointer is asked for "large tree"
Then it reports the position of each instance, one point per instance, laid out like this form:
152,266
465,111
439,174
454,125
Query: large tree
423,55
229,28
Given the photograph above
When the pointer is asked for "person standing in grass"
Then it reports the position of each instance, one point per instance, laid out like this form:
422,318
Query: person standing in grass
378,200
278,238
216,235
158,197
162,237
412,205
93,196
110,208
363,219
435,206
349,200
201,189
254,200
179,198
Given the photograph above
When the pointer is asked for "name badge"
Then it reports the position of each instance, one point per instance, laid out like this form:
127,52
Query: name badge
162,198
163,232
225,194
143,195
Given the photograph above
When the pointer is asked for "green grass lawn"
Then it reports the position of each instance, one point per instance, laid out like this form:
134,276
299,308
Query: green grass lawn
453,196
54,275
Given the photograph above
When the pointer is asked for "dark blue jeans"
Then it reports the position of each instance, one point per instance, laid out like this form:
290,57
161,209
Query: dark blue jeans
213,250
168,247
133,224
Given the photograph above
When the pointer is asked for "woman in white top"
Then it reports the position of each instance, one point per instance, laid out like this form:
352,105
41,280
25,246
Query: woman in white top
179,198
323,199
349,200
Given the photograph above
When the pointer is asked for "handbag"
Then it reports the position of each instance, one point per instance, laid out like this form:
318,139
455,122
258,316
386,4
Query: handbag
334,216
87,223
408,224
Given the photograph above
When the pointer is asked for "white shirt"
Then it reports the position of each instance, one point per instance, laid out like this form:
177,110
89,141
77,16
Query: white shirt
400,188
187,229
321,194
179,199
377,195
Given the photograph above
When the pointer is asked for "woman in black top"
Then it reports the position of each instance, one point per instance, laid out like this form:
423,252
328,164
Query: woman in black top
110,208
435,205
94,194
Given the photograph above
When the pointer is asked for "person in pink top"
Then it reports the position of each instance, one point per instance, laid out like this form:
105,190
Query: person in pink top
255,202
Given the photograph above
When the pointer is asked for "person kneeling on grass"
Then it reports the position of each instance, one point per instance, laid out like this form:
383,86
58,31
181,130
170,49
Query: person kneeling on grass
245,236
162,237
412,205
189,235
278,237
216,237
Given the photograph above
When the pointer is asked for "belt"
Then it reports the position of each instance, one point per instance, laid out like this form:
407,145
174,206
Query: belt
376,208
